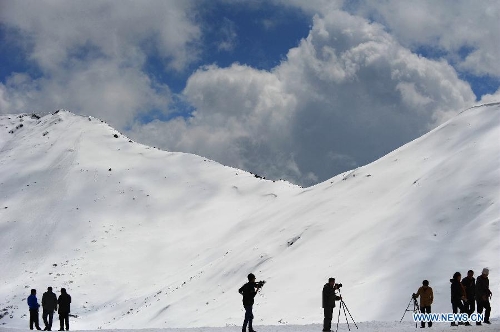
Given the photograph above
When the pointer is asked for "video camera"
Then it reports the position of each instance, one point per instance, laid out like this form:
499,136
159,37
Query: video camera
260,283
337,286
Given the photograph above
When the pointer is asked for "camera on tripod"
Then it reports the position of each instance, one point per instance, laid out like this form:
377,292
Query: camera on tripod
337,286
260,283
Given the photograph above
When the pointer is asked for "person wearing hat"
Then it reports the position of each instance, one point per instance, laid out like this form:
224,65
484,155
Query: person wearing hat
249,291
329,298
483,294
426,298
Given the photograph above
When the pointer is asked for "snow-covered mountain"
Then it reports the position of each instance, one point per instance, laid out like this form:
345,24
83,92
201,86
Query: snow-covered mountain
146,238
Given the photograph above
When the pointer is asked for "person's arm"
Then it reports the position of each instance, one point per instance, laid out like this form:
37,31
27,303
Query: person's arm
432,295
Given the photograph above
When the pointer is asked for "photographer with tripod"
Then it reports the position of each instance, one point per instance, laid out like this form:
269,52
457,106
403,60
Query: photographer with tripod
329,298
426,298
249,290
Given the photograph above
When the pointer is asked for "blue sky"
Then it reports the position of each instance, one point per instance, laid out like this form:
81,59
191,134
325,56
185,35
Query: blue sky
287,89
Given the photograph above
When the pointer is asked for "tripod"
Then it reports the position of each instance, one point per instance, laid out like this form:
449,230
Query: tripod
416,309
343,307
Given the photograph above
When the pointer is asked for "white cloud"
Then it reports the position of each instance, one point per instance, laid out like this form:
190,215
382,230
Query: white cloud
228,35
346,95
490,98
91,55
450,25
102,89
60,30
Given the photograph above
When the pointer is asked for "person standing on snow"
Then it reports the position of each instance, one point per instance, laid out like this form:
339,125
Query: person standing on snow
64,302
329,298
457,295
426,298
49,305
483,294
33,305
469,284
249,290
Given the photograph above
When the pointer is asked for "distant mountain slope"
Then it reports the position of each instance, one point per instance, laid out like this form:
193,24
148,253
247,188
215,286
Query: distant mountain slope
147,238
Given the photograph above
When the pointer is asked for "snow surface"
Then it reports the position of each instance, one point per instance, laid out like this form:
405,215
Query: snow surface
143,238
362,327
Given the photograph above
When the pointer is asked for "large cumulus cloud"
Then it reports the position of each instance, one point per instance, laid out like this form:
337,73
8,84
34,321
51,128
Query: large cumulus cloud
90,55
348,94
465,32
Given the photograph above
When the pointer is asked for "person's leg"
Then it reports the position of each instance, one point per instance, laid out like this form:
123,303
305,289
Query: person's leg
327,323
472,307
36,320
66,319
467,307
32,319
61,322
487,307
51,319
247,318
45,313
455,310
250,320
462,311
422,310
479,309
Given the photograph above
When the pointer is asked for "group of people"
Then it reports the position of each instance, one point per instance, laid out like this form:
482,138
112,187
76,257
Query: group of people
465,293
251,288
50,303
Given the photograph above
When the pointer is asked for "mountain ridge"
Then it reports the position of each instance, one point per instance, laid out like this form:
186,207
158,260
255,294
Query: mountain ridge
172,236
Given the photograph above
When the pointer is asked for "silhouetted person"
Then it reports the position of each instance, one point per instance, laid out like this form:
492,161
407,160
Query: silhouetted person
426,298
248,290
329,298
64,302
457,295
483,294
469,284
49,305
33,305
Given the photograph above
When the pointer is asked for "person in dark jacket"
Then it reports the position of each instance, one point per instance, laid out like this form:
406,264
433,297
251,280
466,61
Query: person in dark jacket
469,284
329,298
457,295
249,290
64,302
49,305
483,294
426,298
33,306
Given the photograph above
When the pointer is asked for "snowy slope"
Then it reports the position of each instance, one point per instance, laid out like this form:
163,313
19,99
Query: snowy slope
148,238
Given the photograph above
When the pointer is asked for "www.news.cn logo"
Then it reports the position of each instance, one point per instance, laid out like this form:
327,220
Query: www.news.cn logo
447,317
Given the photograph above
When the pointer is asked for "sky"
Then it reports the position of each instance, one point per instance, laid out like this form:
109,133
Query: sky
290,90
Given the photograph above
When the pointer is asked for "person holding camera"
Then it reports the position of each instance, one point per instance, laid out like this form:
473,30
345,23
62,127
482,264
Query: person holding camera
426,298
329,298
249,290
